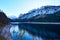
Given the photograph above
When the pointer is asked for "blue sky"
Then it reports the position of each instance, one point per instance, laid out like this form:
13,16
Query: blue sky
16,7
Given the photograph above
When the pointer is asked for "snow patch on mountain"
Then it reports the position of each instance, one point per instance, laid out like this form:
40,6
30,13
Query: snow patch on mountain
39,11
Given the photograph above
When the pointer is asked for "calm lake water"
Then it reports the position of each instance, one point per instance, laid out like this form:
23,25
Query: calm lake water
34,31
17,30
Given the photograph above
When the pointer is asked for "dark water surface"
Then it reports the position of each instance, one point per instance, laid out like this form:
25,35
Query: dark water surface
48,31
22,31
19,29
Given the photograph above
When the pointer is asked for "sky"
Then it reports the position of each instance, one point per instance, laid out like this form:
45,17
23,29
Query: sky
17,7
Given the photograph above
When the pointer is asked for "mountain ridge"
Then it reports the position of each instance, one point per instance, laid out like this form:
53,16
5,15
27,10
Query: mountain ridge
41,13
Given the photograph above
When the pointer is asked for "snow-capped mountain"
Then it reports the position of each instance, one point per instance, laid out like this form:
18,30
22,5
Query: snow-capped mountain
41,12
12,17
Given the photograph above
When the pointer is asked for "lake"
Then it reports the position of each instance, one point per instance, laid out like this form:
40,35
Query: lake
17,30
27,31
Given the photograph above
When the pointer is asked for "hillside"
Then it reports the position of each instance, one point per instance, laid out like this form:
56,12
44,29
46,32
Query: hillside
43,14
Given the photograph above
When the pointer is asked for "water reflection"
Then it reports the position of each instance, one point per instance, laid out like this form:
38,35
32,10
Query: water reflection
29,32
6,32
14,32
19,34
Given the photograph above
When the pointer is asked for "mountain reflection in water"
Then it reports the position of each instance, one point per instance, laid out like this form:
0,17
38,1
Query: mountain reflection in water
27,32
15,32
